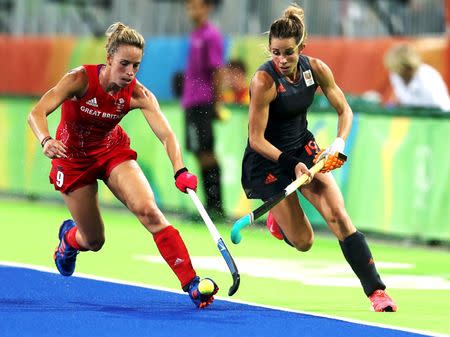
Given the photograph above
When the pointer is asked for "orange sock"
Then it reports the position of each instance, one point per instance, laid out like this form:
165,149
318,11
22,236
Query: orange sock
173,250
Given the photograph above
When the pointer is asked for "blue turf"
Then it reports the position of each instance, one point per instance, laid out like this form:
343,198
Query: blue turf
34,303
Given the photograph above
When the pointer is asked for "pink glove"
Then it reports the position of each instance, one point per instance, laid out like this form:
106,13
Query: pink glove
184,179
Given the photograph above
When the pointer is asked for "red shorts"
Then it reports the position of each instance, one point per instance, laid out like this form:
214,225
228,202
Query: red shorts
67,175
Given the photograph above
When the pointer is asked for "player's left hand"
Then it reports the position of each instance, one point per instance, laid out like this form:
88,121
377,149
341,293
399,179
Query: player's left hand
184,180
332,161
54,149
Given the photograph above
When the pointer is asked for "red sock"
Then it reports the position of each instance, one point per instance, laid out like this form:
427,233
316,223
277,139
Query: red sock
71,239
172,249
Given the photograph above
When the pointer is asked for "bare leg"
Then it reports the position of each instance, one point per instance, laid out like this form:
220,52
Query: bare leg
83,205
128,183
294,223
326,197
206,159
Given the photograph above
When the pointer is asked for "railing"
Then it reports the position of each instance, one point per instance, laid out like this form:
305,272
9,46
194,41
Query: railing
395,181
347,18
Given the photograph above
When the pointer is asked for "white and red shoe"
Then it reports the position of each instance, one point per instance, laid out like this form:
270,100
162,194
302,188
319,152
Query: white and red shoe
273,227
381,302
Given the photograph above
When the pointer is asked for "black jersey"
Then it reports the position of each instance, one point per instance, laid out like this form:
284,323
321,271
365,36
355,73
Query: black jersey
287,126
286,129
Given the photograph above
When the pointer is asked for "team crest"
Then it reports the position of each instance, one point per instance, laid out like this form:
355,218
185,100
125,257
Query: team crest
309,80
120,103
281,88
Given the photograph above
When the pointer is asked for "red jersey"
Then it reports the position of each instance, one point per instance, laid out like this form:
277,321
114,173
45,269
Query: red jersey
89,125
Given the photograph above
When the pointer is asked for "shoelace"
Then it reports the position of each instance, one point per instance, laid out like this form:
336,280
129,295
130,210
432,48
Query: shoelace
71,255
382,294
382,299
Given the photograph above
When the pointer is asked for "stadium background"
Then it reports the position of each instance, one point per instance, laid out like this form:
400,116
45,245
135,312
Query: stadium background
396,183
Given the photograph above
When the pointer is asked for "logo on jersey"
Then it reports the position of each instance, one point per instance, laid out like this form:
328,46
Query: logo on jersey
92,102
309,80
100,114
281,88
311,148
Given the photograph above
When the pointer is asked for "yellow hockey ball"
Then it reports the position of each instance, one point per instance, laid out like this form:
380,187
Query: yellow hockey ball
206,287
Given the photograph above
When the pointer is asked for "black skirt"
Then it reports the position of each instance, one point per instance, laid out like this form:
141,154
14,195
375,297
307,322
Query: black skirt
263,178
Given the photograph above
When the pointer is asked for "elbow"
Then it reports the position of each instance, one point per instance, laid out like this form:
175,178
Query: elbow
254,143
30,119
169,138
345,112
350,116
348,111
35,115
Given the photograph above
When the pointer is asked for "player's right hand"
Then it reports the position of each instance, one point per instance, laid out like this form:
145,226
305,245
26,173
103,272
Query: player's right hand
184,180
301,169
54,149
337,146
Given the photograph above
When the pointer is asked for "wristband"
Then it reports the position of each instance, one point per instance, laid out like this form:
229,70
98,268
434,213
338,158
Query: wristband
181,170
338,145
45,140
288,163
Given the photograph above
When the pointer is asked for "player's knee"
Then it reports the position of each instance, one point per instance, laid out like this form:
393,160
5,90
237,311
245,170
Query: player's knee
303,244
95,244
148,213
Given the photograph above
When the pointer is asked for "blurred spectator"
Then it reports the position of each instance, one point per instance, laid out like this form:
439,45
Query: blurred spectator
177,84
415,84
235,89
423,17
201,92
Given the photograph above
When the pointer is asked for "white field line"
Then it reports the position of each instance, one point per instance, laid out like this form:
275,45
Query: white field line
316,273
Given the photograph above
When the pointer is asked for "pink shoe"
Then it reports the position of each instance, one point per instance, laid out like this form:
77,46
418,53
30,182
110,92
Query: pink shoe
273,227
381,302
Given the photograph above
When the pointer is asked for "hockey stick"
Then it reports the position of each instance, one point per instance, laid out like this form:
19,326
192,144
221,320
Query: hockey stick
219,241
249,219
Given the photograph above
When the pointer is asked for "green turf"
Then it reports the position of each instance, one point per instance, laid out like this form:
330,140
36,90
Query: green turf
28,235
